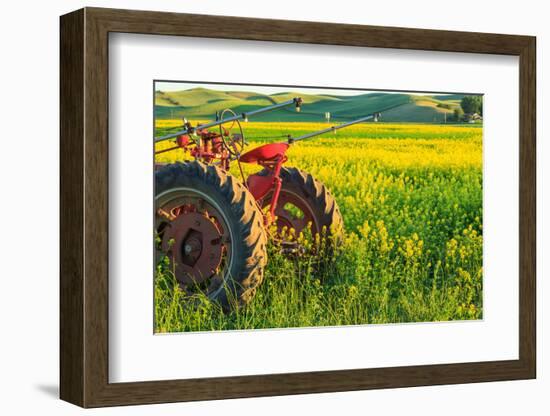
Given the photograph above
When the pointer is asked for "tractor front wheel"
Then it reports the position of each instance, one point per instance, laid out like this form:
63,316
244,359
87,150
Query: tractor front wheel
211,230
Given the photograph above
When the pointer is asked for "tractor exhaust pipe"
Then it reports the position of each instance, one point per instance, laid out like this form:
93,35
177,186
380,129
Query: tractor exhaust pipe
297,102
375,117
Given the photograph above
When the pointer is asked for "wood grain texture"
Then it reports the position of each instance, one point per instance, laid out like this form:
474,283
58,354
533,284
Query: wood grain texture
71,218
527,207
84,205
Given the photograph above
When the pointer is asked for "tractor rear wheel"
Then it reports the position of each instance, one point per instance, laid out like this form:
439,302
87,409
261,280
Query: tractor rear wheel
306,203
211,230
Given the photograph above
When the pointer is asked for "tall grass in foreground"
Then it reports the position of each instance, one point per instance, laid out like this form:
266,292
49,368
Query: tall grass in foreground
411,198
376,279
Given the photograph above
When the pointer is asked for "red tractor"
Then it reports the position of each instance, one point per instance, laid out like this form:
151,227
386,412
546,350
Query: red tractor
213,228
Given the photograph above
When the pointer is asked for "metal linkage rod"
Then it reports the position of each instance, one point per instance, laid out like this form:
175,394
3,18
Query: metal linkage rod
332,128
244,116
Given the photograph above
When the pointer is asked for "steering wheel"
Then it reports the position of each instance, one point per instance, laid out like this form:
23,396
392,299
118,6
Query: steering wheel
234,147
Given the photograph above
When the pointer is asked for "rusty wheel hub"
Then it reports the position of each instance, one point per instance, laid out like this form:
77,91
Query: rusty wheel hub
293,212
194,242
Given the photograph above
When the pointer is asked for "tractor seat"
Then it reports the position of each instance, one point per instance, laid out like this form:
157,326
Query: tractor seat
265,152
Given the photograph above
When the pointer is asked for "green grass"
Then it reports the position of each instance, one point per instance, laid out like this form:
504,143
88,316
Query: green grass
411,199
202,103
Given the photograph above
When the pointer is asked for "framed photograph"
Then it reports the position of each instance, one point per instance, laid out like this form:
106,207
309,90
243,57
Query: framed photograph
279,207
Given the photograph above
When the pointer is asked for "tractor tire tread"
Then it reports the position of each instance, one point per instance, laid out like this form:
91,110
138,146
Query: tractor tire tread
318,196
245,217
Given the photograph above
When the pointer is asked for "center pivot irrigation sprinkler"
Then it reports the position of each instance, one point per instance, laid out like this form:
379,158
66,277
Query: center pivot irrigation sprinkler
213,227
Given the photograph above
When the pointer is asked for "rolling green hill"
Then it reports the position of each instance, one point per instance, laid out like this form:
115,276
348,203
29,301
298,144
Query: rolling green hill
203,103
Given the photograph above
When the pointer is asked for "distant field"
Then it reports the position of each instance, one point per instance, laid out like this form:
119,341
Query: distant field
203,103
411,198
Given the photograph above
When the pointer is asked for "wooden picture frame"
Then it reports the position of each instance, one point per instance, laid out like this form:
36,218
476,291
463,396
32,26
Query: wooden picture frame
84,207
